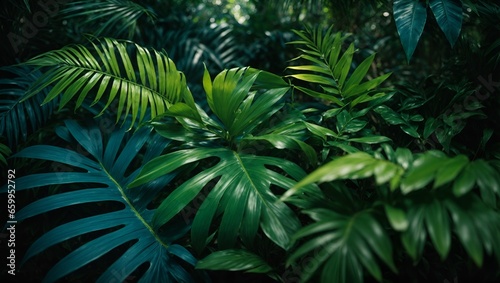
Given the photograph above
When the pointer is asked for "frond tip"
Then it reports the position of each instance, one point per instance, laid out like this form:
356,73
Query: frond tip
136,76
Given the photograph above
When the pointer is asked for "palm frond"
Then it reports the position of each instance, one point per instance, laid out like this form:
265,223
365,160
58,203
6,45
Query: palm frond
18,115
106,169
135,75
113,18
345,245
332,69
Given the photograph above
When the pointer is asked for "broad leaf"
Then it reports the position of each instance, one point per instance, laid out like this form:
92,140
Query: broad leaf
410,17
241,192
448,14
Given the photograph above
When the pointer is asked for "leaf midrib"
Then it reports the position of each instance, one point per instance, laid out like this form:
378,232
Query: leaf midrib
131,206
125,79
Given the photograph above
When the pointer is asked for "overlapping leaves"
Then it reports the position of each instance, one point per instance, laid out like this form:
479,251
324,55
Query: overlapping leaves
239,183
343,246
17,116
103,176
332,69
114,18
433,195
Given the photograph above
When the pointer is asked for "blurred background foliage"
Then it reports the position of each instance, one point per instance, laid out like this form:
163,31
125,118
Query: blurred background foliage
445,98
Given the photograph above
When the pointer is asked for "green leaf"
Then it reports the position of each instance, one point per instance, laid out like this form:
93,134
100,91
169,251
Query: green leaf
389,115
352,166
4,152
371,139
284,142
314,79
397,217
466,231
359,73
320,131
413,238
410,17
234,260
465,181
20,116
422,171
342,68
112,18
342,242
438,227
450,170
237,172
448,15
77,70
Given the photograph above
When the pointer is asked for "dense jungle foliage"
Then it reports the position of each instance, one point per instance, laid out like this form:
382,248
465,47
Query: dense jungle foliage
250,141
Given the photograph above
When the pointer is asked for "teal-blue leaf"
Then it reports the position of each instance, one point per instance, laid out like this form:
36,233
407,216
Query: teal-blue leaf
410,17
448,15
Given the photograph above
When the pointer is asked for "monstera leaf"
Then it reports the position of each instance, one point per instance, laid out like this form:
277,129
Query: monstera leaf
102,176
241,179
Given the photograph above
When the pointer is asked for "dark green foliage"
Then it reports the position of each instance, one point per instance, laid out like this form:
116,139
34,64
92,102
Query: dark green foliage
328,159
19,115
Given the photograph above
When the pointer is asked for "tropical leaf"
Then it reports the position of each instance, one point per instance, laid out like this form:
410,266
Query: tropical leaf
448,14
114,18
103,176
410,17
438,218
239,182
343,246
332,69
20,116
239,192
234,260
140,79
353,166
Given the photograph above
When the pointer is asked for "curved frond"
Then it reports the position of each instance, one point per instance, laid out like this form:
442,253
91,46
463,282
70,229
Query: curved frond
345,245
332,69
135,76
19,116
114,18
106,169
